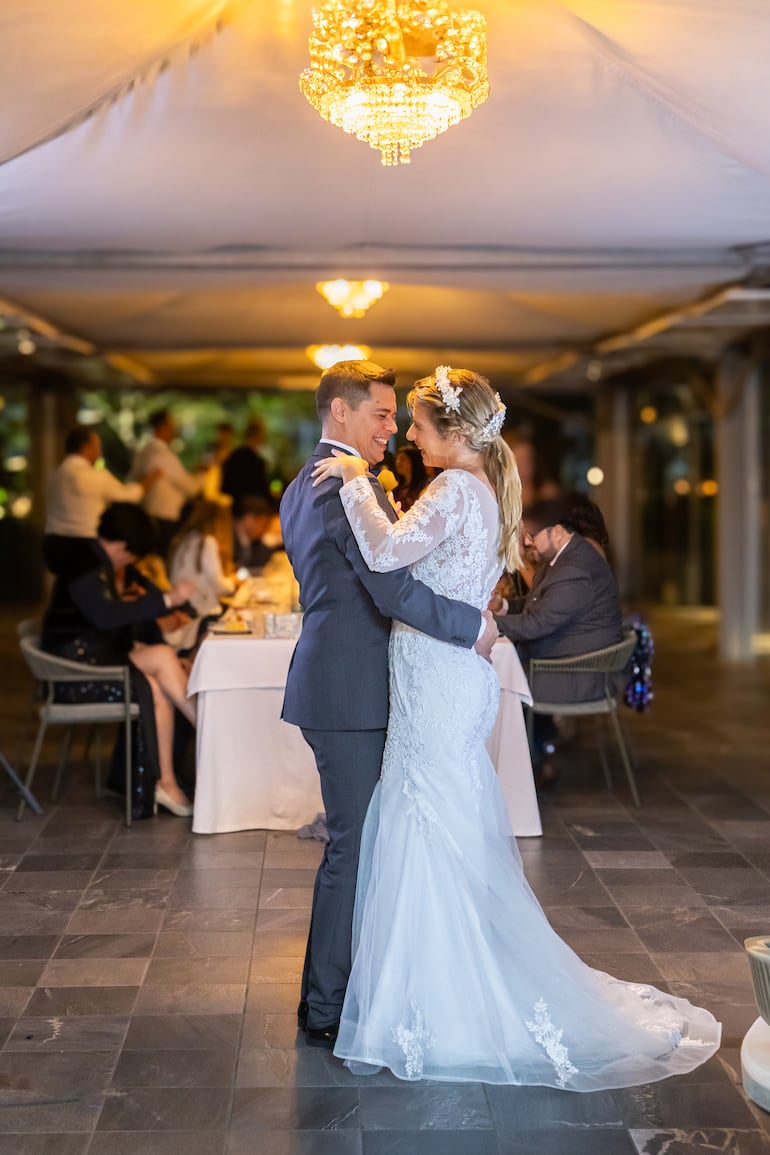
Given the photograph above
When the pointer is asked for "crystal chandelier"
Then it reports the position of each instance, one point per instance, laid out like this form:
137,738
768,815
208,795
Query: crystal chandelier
352,298
395,73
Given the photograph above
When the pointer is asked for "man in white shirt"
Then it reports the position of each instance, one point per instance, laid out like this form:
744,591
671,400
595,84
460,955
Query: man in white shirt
165,500
78,494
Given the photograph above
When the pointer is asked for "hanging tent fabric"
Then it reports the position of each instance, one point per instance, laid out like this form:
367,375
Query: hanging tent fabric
617,171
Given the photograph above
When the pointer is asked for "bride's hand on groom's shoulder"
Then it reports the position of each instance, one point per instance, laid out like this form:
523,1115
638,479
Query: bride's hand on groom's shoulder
342,465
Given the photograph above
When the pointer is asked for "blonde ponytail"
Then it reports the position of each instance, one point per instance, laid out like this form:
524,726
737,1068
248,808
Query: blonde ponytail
502,471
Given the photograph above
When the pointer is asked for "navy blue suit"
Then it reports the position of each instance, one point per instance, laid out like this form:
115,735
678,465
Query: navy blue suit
337,692
572,608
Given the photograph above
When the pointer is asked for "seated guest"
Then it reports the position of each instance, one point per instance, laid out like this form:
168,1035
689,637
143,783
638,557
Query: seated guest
173,627
252,520
572,608
196,557
88,621
78,494
411,474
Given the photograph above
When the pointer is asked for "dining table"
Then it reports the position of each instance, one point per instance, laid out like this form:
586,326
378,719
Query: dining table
255,771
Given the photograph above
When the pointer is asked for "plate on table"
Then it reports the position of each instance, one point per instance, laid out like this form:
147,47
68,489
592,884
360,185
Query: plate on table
224,631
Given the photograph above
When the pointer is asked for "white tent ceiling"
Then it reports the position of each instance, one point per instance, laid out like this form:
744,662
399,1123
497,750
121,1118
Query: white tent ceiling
620,170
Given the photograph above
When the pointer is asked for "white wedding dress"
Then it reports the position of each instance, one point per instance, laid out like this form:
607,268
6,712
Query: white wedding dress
457,973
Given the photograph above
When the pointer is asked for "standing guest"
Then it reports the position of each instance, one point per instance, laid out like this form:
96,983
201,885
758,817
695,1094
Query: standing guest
253,518
165,500
413,478
91,620
78,494
337,686
215,459
244,473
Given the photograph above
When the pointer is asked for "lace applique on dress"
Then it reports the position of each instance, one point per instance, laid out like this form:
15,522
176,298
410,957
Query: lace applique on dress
386,545
474,773
666,1021
546,1034
413,1040
407,732
412,789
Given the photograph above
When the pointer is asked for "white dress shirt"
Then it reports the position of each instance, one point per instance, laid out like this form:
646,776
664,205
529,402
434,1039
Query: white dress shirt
167,495
78,495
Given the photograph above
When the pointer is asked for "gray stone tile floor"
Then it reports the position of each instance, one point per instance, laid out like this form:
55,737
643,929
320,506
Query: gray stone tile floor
149,977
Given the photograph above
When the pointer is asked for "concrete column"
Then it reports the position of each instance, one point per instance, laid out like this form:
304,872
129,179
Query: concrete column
615,457
738,519
51,414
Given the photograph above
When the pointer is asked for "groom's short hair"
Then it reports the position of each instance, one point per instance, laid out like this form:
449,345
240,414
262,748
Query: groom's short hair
349,380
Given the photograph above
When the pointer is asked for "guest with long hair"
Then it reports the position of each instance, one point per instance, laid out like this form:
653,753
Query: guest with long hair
412,475
90,620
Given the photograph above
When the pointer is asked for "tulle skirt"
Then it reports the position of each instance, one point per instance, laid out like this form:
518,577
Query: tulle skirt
457,974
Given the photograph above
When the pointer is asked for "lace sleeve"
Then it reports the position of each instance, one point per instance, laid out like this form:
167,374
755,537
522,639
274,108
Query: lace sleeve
385,545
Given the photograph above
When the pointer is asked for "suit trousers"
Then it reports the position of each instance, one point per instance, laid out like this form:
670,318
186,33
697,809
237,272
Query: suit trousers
349,764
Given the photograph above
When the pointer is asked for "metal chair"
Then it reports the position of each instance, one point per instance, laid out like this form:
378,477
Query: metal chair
50,669
609,661
26,794
29,628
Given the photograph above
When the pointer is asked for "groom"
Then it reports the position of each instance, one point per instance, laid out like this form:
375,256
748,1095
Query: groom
337,685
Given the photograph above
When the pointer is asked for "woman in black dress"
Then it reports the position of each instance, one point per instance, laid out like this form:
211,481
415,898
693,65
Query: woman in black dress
91,620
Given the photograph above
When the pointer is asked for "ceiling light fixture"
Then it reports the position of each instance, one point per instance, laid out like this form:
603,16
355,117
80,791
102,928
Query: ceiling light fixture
396,73
326,355
352,298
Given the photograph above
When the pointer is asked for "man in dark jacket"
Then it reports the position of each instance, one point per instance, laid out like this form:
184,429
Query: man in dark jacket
244,473
572,608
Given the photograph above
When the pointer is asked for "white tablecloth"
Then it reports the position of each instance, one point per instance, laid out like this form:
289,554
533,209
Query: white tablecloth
507,745
255,772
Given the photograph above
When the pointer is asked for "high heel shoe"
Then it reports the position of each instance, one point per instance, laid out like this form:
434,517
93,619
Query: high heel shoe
167,802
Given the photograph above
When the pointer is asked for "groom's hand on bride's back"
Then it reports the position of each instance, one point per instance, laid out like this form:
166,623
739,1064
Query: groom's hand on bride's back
488,638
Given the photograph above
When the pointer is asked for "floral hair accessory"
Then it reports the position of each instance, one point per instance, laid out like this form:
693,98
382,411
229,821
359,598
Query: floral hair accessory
450,394
492,428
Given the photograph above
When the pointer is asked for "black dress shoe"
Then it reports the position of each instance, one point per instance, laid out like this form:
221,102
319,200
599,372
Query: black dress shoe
322,1036
302,1015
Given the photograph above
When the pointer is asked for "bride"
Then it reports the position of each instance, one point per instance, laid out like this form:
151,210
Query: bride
457,973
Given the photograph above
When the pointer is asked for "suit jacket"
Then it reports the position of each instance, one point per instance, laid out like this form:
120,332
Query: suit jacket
338,678
572,608
255,555
85,608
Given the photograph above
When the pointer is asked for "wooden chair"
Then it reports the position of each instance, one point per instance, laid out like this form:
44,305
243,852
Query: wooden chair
609,662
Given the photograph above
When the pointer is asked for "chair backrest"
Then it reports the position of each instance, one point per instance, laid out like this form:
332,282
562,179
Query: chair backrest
51,668
29,628
610,660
